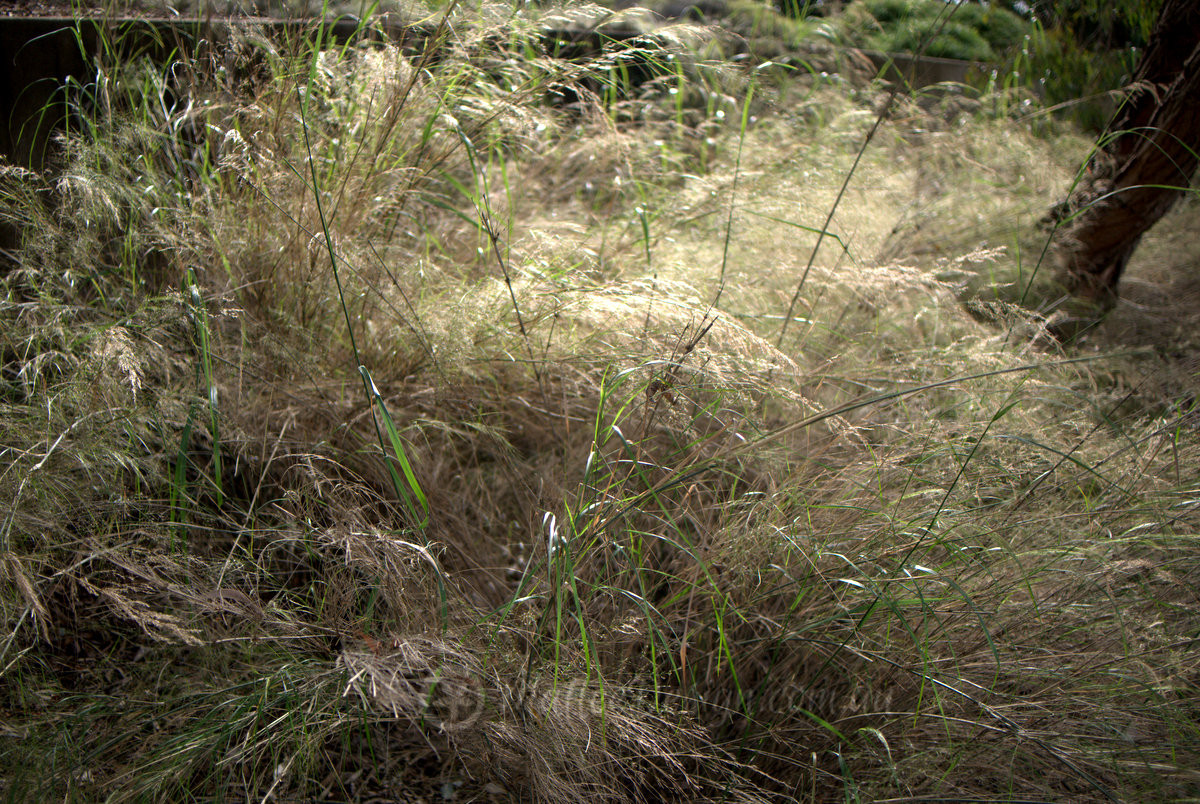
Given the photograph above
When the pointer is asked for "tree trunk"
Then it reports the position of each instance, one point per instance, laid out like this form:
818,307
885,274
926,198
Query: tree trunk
1143,164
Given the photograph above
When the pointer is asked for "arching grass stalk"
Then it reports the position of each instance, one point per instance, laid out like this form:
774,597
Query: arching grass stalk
413,493
939,23
483,209
737,167
1063,213
751,446
204,372
177,480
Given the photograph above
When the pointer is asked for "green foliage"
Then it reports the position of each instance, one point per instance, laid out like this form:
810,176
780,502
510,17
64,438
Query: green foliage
1076,81
964,31
1002,29
763,31
799,9
1080,51
887,12
1099,25
954,40
1069,55
525,477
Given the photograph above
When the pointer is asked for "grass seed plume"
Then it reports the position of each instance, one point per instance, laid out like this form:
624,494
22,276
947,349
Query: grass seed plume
487,425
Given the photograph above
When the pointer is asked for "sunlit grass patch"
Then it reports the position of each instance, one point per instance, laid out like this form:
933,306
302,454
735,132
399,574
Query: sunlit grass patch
420,432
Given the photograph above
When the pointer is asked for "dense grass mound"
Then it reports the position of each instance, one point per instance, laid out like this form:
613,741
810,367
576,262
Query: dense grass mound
487,428
970,31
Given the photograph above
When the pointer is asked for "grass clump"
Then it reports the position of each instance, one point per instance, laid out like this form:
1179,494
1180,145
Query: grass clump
969,31
376,428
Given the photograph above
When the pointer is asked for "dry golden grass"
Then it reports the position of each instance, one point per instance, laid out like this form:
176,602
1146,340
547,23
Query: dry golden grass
650,549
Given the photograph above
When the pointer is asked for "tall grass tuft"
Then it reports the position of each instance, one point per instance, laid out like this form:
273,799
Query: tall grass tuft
385,424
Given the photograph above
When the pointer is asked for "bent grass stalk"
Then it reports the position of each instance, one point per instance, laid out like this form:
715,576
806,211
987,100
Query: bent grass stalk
938,23
479,198
737,169
408,490
675,569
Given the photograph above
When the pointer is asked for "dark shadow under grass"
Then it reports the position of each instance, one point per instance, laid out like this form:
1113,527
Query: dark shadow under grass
574,533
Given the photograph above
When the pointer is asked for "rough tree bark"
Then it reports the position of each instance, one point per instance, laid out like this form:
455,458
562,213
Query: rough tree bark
1144,163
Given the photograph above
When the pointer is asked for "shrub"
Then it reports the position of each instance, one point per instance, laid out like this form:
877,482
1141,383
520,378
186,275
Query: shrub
1078,82
953,41
967,31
